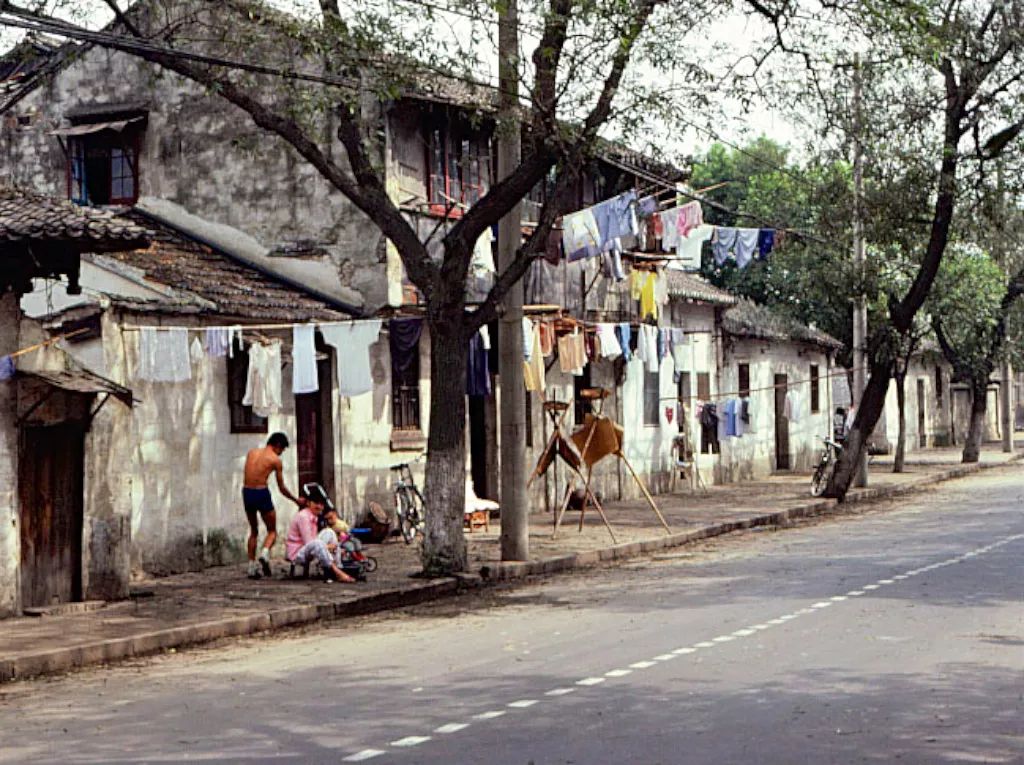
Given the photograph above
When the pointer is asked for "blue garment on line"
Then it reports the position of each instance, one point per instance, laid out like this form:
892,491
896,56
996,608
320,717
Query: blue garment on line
765,242
730,417
622,334
6,368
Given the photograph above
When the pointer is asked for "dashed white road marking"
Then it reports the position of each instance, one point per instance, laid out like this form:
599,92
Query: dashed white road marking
489,715
451,728
411,741
455,727
366,754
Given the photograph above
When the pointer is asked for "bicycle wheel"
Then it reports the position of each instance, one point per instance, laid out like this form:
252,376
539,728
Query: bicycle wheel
822,474
408,520
370,564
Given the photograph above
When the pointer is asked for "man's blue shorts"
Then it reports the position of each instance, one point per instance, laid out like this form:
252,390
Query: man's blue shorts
257,500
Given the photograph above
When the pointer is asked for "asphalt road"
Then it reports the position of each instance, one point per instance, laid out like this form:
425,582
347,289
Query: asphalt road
888,637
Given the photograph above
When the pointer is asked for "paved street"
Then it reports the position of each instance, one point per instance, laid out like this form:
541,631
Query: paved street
893,636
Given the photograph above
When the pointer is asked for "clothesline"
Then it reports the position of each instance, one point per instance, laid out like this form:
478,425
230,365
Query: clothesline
246,327
788,384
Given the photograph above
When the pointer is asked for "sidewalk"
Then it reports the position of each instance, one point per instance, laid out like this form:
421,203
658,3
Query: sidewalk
216,603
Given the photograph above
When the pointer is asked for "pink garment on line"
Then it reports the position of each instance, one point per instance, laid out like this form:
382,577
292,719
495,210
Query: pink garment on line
690,216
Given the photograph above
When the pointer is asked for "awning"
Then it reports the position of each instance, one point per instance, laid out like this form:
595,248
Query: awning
81,381
95,127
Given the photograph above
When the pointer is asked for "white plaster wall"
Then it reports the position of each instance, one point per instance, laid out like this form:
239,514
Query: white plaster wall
936,413
753,456
10,538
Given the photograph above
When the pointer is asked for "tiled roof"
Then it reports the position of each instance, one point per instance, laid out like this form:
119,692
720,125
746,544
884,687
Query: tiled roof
27,216
749,320
236,290
693,287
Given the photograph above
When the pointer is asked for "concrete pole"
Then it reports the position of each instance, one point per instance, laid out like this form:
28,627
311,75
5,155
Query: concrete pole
515,520
860,310
1006,407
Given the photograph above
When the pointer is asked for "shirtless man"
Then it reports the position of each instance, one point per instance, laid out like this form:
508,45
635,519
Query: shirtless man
259,464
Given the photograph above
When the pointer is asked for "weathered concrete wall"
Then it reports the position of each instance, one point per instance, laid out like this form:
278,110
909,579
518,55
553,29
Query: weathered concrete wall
10,538
753,456
937,412
205,155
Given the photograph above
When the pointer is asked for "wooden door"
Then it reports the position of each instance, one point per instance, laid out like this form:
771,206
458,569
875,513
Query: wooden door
922,434
308,447
50,480
781,424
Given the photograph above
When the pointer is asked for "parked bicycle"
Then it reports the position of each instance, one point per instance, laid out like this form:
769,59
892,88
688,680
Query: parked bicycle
826,467
409,505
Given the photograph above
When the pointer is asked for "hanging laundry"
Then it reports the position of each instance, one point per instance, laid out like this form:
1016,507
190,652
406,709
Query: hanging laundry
217,341
478,370
544,283
690,216
485,336
690,248
606,335
164,355
663,344
793,408
527,330
533,368
648,297
351,342
480,277
647,206
7,369
546,333
304,374
637,278
746,245
660,289
404,342
572,354
765,242
612,264
263,379
195,351
669,228
730,417
623,334
742,410
616,218
647,347
580,235
678,349
723,244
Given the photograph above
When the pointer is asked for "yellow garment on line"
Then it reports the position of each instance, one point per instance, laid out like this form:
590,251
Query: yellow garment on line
648,297
636,283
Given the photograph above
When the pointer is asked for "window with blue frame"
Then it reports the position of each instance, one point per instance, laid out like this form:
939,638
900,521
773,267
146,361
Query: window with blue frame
103,168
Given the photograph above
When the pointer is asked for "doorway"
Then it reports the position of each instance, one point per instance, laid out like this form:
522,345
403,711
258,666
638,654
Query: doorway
313,431
50,493
922,434
782,461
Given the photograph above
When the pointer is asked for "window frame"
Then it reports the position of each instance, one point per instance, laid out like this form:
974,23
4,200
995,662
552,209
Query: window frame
77,159
743,379
652,406
242,417
406,399
458,167
815,396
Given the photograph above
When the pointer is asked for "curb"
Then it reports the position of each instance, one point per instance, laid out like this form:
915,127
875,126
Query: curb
521,569
115,649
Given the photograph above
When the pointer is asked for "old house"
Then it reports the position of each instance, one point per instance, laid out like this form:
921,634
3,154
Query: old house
54,425
784,370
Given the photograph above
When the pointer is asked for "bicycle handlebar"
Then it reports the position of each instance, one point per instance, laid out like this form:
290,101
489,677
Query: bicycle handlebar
405,465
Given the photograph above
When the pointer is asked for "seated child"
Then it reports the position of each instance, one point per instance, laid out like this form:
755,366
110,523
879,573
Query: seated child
338,533
303,546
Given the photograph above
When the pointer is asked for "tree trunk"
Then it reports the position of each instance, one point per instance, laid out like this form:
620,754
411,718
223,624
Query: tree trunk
901,438
868,411
979,408
444,546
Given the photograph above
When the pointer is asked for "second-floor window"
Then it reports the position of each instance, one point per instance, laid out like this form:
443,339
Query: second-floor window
459,167
103,168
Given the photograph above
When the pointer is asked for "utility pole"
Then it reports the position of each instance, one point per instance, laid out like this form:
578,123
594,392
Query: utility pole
515,521
860,308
